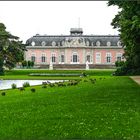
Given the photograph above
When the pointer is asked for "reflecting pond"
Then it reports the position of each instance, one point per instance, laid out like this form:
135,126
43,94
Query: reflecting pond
6,84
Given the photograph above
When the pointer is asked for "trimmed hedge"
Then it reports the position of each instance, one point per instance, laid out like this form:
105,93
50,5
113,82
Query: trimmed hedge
55,74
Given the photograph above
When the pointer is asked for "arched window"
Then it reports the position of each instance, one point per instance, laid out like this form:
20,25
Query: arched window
119,43
33,43
108,43
53,43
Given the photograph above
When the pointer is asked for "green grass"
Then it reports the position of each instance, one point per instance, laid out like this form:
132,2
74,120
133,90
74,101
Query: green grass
89,72
110,108
23,74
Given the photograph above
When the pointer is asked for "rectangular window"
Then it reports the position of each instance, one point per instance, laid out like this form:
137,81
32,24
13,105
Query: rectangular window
119,56
75,59
33,58
108,57
43,58
98,58
62,58
88,58
53,58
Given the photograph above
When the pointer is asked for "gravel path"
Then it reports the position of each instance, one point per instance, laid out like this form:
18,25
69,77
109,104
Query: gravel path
136,79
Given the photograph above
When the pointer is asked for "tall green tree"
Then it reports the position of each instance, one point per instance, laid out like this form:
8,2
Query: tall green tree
11,49
127,21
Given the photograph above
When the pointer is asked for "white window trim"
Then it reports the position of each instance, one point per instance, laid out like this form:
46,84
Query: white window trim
119,55
53,54
43,54
91,61
75,53
33,54
96,58
108,54
60,59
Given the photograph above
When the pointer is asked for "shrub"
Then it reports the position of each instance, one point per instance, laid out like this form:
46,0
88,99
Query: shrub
14,86
119,63
121,68
3,93
26,84
121,71
30,64
33,89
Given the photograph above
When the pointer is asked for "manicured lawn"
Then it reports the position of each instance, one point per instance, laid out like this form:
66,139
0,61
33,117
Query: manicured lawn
24,74
89,72
108,108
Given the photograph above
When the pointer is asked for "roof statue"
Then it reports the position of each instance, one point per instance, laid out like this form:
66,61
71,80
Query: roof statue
87,65
51,66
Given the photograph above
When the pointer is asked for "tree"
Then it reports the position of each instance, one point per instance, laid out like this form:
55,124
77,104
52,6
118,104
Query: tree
11,49
127,21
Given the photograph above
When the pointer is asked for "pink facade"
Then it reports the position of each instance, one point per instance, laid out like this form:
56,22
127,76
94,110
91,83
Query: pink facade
68,55
74,49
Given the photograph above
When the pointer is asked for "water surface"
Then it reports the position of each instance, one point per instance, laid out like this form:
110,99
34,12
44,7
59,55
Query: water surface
6,84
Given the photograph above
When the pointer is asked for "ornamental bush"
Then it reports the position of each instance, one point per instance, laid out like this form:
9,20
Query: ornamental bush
3,93
26,84
33,89
14,86
119,63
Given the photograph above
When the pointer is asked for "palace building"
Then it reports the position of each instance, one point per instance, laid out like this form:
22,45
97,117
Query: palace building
74,50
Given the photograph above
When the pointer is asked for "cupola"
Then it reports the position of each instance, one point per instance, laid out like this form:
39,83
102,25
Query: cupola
76,31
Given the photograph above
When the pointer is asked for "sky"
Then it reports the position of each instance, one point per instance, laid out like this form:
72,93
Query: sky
27,18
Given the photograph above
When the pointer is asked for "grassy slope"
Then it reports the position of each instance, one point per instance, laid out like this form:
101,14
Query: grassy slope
110,108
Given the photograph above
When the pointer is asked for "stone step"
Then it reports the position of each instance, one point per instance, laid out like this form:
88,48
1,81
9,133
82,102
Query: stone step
76,66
